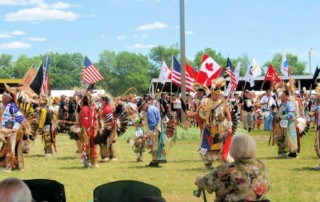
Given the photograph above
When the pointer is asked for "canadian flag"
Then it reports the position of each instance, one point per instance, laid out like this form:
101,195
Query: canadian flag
209,70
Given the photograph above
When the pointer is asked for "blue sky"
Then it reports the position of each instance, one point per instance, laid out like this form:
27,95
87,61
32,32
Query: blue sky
232,27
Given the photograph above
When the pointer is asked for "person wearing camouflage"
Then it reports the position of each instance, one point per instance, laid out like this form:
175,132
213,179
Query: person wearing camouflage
246,179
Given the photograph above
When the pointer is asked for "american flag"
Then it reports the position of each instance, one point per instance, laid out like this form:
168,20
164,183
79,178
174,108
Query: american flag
233,78
45,87
90,74
176,76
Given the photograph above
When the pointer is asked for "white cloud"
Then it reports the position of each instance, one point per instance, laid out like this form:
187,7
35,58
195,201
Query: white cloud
121,37
17,33
140,36
189,32
156,25
60,5
37,39
2,36
41,14
15,45
19,2
141,46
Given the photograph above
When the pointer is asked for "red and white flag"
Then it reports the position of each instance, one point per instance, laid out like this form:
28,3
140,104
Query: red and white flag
90,74
164,73
208,71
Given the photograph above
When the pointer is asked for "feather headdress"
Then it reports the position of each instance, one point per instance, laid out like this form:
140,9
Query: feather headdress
218,83
197,86
10,92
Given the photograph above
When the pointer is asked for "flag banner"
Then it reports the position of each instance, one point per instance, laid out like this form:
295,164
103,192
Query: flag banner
191,71
208,71
40,84
90,74
233,84
284,65
253,70
164,73
272,75
176,76
315,75
45,87
27,79
236,73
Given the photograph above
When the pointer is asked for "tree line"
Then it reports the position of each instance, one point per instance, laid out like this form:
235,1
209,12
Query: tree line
126,69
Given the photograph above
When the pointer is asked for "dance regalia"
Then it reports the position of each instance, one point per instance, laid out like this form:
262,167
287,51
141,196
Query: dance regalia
109,135
11,119
215,130
87,121
45,124
284,129
139,143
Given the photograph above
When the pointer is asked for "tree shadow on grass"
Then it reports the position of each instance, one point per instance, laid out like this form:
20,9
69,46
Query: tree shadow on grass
33,155
198,169
74,168
306,168
68,158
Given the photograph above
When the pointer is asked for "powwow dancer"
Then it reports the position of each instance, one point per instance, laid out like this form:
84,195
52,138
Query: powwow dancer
201,92
11,120
86,120
107,138
217,132
45,124
139,139
154,129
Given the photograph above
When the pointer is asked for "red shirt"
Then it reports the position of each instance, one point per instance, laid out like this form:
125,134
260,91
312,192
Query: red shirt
85,117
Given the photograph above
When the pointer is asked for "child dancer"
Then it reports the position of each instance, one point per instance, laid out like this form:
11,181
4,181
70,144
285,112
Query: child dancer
139,139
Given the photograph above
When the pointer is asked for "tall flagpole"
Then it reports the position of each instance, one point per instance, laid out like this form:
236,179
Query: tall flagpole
182,57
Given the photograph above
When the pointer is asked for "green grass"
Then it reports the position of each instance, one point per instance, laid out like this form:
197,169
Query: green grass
291,179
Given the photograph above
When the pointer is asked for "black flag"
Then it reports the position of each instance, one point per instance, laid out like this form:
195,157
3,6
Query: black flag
315,76
38,80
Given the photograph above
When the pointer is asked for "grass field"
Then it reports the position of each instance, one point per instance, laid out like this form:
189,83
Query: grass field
291,179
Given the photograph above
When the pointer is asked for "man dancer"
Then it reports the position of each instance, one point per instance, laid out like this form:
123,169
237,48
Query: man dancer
217,132
107,150
45,124
154,126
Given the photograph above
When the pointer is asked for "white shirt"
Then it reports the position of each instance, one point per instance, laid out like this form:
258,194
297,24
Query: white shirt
269,100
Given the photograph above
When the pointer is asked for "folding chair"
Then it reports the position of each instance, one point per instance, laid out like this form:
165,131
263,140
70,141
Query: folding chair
46,190
124,191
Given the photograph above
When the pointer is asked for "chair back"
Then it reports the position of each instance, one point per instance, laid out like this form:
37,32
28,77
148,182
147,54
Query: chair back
46,190
124,191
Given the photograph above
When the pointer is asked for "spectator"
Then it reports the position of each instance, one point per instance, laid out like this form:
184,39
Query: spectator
246,179
14,190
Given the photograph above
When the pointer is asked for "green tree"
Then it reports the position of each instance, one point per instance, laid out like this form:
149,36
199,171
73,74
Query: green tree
297,67
107,62
6,68
65,70
125,71
21,66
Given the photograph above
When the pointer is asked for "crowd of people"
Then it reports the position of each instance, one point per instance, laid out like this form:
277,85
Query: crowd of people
95,121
